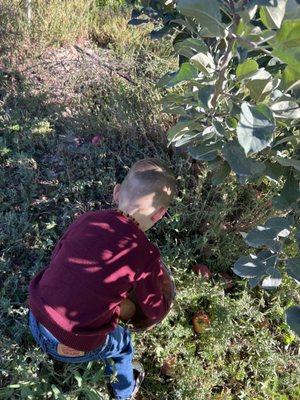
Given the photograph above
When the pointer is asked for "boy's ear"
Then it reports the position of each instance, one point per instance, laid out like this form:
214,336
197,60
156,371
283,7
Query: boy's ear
116,193
158,214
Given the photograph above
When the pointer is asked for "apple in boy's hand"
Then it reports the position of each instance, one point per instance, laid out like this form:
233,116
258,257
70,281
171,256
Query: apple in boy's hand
127,310
203,270
200,321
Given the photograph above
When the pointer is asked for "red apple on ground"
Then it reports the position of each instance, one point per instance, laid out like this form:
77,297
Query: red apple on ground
203,270
264,324
169,366
227,280
97,139
200,321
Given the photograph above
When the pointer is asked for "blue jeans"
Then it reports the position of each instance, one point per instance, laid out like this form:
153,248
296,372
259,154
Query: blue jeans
116,353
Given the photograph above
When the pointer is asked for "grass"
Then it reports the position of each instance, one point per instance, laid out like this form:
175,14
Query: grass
51,172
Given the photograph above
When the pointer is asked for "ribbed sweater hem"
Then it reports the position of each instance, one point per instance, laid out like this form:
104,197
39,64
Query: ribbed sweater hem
79,342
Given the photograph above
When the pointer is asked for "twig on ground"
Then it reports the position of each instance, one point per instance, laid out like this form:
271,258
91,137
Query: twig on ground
97,60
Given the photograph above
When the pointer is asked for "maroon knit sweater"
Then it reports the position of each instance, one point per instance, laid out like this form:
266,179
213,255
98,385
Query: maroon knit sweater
98,260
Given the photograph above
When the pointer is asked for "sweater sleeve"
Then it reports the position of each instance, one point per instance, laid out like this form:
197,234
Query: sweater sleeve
149,294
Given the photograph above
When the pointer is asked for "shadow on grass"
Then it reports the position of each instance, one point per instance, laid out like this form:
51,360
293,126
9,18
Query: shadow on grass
51,173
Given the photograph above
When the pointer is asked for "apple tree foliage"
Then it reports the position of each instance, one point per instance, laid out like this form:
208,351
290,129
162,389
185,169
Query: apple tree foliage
236,96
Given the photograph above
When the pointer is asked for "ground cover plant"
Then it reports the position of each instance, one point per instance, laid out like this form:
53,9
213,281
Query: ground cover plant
75,112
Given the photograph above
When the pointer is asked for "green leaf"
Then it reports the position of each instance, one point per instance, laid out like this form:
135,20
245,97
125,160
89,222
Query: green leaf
50,225
239,163
273,16
206,13
292,10
209,133
257,168
184,140
219,128
286,109
293,318
260,85
204,62
185,73
187,23
231,123
246,69
78,378
255,128
253,282
220,173
248,12
174,103
286,139
205,152
288,162
290,78
293,268
273,280
269,233
256,267
249,267
56,392
189,47
205,94
286,43
179,130
289,195
281,224
160,33
251,3
273,171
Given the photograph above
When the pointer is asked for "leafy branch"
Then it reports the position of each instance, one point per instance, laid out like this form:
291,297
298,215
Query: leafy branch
223,45
223,68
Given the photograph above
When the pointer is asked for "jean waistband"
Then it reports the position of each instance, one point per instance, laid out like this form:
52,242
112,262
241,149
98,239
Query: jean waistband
47,333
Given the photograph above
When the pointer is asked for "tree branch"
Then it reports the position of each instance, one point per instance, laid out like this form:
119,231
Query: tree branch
225,62
254,46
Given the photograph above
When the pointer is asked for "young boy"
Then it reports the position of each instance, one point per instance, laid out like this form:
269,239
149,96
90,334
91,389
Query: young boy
75,302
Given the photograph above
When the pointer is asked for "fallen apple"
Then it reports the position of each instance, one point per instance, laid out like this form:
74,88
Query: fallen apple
206,251
203,270
127,310
264,324
227,280
97,139
169,366
200,321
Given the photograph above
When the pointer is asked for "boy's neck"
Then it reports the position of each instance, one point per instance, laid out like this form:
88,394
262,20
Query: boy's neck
138,218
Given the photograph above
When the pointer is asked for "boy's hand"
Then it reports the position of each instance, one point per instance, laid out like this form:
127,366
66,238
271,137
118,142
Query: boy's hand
127,310
167,287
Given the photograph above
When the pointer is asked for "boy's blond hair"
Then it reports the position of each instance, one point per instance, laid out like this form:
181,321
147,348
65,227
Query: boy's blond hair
149,176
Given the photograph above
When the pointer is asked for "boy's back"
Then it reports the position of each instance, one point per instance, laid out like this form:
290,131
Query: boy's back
100,258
